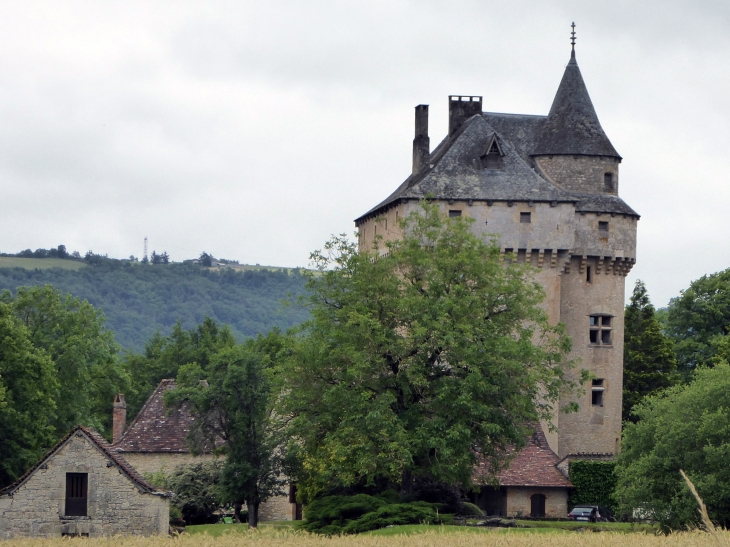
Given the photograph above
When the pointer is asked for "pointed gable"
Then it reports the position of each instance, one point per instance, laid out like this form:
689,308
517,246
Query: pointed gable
572,126
115,459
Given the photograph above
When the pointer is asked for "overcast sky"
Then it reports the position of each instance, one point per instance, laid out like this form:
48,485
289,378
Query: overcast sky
254,130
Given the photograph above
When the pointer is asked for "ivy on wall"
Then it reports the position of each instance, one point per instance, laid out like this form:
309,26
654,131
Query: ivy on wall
594,483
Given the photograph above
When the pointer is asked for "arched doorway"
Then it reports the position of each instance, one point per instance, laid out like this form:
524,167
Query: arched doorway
537,505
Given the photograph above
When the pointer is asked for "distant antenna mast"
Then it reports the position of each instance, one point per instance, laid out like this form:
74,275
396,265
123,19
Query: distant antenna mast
145,249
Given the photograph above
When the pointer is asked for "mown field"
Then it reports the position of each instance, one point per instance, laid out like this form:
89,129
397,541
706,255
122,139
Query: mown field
433,537
40,263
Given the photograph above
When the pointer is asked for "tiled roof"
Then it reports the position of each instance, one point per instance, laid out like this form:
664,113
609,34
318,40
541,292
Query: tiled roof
154,430
534,465
104,447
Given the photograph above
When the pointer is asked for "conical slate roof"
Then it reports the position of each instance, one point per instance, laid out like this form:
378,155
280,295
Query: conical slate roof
572,127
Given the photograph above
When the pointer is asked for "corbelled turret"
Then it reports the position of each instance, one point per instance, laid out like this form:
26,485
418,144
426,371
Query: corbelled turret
572,150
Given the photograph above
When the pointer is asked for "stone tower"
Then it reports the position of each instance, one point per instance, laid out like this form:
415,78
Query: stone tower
547,187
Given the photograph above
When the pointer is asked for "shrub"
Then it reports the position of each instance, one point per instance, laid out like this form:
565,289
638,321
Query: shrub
471,510
333,515
196,492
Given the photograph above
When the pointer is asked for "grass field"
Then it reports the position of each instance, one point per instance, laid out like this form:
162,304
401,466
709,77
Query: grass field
40,263
451,536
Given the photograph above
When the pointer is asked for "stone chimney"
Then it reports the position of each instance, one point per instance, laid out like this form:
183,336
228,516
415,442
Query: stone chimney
461,108
119,417
421,143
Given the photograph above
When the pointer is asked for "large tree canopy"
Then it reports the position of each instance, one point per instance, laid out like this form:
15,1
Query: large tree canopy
684,427
72,334
164,355
233,397
28,387
699,319
650,363
419,361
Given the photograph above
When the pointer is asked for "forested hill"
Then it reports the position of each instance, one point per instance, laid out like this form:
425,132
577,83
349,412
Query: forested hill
140,299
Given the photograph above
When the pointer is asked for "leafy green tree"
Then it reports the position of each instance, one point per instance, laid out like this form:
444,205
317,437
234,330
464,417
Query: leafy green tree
650,363
684,427
28,385
196,491
72,333
233,399
164,355
419,361
699,319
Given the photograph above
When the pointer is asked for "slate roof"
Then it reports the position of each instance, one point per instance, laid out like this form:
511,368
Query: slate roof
457,172
572,126
454,169
534,465
104,447
153,430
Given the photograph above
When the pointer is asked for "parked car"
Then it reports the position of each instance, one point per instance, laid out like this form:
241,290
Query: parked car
591,513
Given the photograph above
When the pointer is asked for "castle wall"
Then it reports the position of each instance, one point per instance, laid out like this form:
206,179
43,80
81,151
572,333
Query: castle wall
115,505
580,173
593,428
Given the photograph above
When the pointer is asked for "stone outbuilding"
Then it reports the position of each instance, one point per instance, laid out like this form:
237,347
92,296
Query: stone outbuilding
82,487
532,486
156,441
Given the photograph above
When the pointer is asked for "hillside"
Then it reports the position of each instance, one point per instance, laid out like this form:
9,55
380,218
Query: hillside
140,299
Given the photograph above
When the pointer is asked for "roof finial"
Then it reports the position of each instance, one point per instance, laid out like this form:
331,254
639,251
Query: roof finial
572,38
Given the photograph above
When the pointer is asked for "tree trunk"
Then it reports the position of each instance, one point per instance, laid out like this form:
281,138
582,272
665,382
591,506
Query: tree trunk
406,483
237,511
253,514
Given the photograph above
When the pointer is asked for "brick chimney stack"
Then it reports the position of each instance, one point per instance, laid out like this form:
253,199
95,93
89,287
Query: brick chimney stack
421,143
119,417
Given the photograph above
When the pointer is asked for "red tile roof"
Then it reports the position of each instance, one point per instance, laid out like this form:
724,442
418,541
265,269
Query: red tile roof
104,447
534,465
154,430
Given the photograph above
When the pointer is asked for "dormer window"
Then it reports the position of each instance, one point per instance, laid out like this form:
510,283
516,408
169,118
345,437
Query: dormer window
492,157
608,182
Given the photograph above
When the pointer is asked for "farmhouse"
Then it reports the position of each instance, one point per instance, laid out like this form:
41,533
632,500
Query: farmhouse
155,441
82,487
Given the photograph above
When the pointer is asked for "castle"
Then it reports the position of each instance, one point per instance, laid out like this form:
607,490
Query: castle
547,188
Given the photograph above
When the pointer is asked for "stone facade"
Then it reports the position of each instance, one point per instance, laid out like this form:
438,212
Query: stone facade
118,500
519,501
548,197
155,441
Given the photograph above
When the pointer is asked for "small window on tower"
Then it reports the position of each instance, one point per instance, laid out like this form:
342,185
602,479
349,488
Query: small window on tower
608,181
454,213
603,226
526,218
600,332
597,390
589,279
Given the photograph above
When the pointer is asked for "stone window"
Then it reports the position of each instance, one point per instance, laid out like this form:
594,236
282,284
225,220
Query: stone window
526,218
603,226
77,487
537,505
608,181
454,213
600,330
597,390
589,279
